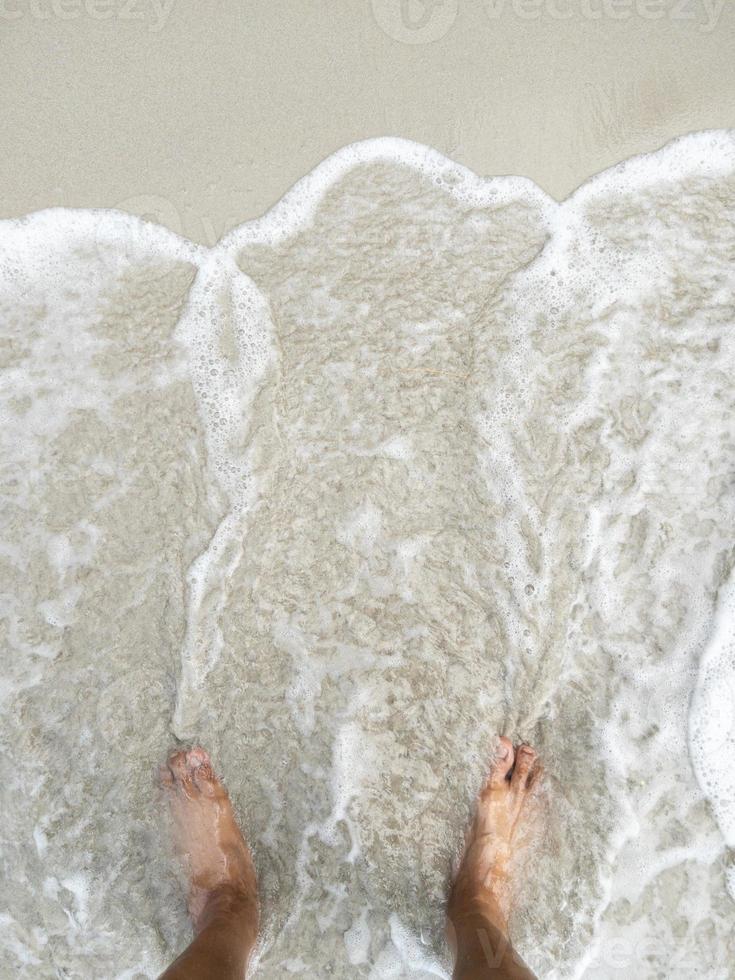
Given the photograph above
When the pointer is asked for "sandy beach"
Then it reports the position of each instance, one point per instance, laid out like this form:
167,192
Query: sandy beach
348,460
202,115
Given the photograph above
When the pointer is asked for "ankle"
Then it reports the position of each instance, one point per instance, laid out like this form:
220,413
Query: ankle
227,905
467,907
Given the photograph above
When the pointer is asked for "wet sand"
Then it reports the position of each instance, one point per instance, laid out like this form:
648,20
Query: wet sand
417,459
203,115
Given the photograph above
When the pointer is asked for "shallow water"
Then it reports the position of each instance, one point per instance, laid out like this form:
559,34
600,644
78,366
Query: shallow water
415,459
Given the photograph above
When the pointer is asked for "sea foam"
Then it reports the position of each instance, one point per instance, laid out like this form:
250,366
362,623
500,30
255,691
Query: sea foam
415,458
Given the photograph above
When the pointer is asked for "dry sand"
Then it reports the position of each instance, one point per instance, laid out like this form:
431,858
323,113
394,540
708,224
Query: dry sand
203,114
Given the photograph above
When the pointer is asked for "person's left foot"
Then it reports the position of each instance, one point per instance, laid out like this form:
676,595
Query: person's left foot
217,859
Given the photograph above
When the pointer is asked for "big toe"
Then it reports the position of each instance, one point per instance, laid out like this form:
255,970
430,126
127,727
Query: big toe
502,763
177,766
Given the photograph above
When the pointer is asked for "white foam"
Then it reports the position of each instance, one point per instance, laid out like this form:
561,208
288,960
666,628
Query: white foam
712,719
357,940
297,207
226,329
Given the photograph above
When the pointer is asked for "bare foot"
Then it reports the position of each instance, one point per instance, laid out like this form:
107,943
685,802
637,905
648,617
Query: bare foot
483,880
218,862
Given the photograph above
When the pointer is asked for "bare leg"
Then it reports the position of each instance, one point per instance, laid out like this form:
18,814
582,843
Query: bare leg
478,905
223,897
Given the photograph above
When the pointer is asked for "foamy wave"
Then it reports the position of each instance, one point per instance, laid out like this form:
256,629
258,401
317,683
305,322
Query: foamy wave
414,458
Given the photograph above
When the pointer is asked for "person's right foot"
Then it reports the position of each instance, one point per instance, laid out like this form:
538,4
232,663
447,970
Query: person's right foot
502,811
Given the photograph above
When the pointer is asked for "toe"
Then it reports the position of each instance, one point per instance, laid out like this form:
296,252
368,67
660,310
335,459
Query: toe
197,757
205,779
525,762
180,772
177,765
502,763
